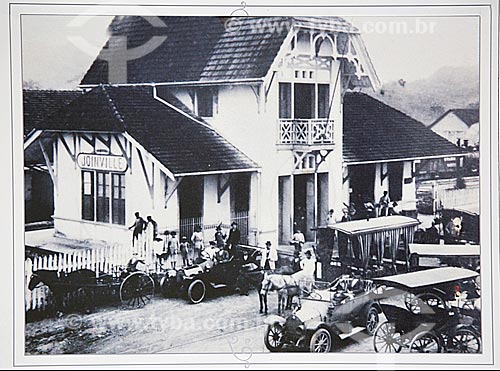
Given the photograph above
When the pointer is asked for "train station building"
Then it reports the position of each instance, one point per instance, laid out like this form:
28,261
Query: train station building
263,124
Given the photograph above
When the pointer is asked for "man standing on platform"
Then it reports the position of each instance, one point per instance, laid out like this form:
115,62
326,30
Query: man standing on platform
137,227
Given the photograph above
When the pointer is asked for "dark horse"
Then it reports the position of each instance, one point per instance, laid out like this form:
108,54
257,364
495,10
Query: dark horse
249,279
62,284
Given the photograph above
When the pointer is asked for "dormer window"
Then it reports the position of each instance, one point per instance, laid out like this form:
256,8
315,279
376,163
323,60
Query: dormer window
205,98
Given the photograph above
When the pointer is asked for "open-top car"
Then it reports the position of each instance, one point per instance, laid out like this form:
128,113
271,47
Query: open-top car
195,281
337,311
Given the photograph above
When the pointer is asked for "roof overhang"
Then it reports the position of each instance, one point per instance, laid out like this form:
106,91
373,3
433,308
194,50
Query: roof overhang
183,83
351,163
36,135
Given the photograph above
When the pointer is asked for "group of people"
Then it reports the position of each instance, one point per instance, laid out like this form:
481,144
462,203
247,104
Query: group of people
178,253
362,208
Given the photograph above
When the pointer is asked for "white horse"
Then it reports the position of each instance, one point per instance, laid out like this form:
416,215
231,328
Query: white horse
287,286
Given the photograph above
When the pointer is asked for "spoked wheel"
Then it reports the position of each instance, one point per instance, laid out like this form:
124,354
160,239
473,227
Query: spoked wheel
137,290
425,342
274,337
386,339
197,291
465,341
372,320
423,303
321,341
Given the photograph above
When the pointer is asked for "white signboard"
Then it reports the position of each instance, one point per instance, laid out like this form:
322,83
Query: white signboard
93,161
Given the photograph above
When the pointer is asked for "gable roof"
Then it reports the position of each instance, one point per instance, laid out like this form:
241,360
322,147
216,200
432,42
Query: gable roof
469,116
182,143
39,104
203,49
376,132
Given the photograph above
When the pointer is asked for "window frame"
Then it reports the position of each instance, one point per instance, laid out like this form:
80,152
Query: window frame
100,205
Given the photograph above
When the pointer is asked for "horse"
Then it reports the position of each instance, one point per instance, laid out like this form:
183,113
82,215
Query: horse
287,286
62,284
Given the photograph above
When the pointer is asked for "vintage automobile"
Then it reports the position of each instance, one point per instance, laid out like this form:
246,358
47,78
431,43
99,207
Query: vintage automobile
440,314
340,310
425,256
196,281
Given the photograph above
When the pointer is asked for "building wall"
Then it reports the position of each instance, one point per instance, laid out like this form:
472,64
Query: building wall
451,128
248,118
68,197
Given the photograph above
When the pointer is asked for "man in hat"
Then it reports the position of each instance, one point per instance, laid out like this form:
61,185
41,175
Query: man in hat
219,237
234,237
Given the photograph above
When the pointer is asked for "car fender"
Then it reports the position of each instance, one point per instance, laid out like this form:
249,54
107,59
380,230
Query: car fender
314,324
272,319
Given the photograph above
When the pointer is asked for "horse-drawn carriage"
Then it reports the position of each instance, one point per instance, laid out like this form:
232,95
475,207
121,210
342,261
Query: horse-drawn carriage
134,288
439,313
375,246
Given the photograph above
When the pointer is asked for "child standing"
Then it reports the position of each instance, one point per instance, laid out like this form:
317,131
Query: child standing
184,247
173,247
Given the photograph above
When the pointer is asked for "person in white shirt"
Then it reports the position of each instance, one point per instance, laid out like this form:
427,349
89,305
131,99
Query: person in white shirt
308,267
298,240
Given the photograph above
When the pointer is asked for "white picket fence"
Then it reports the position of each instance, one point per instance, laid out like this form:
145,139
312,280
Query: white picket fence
103,260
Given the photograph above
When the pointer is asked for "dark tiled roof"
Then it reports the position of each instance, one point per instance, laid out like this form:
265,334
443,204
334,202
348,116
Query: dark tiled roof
39,104
205,48
177,141
374,131
469,116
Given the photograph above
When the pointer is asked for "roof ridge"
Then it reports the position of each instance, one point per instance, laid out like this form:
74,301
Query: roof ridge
112,105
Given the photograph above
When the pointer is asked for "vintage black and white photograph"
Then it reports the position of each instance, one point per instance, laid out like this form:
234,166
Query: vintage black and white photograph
249,180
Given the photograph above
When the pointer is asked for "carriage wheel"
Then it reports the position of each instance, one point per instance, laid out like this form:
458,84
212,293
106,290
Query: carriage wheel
274,337
423,303
465,341
321,341
197,291
137,290
372,319
386,339
425,342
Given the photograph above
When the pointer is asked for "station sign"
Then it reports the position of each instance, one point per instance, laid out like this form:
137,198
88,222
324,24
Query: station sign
92,161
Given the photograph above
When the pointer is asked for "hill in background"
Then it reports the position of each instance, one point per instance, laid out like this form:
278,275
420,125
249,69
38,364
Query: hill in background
427,99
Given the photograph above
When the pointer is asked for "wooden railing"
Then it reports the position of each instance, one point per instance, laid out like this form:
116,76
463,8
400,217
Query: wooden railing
305,131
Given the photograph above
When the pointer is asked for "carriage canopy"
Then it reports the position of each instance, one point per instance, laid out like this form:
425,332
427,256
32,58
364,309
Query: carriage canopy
433,250
382,238
427,278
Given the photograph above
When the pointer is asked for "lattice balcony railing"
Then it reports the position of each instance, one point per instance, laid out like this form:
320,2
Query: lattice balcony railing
305,131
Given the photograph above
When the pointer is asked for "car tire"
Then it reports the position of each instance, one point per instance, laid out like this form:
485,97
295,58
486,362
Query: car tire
372,321
321,341
273,339
197,291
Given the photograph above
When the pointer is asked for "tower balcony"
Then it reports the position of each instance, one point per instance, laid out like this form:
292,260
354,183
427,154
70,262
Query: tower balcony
305,132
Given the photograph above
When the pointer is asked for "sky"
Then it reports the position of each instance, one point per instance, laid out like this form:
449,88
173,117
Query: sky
58,50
